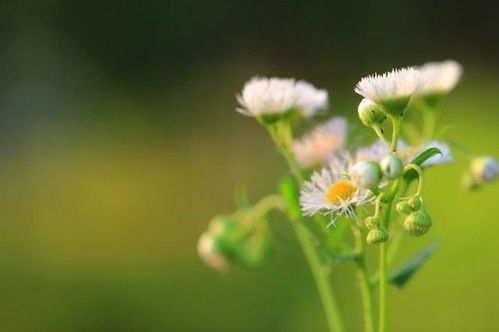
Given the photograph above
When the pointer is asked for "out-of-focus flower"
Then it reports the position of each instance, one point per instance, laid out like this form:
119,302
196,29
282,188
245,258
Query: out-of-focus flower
269,98
310,100
323,140
438,78
263,96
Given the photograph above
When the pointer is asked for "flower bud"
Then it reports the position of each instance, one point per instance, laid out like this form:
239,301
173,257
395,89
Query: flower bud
370,113
255,250
392,166
404,207
372,222
365,174
377,235
415,203
485,169
210,252
417,223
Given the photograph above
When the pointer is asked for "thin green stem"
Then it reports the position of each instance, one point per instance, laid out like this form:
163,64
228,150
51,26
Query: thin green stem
320,276
379,132
363,279
383,276
282,136
396,122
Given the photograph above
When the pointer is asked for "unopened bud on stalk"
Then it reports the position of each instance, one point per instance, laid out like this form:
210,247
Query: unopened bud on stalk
211,253
392,166
485,169
404,207
417,223
377,235
370,113
365,174
415,203
372,222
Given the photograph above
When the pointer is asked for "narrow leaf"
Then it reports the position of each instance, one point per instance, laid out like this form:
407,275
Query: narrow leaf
425,155
404,272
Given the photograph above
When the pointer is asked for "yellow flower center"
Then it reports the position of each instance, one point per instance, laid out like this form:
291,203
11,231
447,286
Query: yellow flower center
341,189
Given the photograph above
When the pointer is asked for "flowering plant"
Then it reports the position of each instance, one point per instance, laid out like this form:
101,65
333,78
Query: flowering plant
373,191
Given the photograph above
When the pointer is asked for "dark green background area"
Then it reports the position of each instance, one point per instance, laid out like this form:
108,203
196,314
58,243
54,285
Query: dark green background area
119,141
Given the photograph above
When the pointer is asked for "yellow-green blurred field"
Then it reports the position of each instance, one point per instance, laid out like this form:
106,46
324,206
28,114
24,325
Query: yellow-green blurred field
100,223
119,141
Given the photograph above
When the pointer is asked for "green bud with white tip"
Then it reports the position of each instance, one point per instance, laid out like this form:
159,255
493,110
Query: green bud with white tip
392,166
377,235
418,222
370,113
365,174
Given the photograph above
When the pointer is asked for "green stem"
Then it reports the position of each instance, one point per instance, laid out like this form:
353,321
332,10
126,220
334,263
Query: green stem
397,122
363,279
383,276
282,136
323,286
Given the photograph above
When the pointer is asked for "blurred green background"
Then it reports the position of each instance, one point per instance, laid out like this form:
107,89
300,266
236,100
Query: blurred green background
119,140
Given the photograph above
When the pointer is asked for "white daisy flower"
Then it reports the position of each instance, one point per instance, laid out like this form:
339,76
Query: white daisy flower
323,140
391,90
310,100
263,96
329,192
439,77
408,153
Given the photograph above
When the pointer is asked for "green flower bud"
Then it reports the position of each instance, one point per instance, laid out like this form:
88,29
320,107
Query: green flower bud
365,174
485,169
404,207
211,252
377,235
370,113
415,203
254,252
372,222
417,223
392,166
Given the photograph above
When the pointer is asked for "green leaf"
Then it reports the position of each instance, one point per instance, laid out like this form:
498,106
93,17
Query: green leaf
404,272
425,155
340,258
289,191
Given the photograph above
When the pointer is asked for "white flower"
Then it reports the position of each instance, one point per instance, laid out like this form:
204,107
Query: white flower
392,90
263,96
374,152
408,153
310,100
210,254
322,141
267,96
439,77
330,193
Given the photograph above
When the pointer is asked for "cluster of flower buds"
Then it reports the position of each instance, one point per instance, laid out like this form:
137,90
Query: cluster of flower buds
482,170
377,233
234,239
418,220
